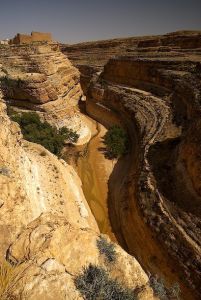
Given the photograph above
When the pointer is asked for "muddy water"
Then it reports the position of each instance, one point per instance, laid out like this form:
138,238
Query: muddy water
94,170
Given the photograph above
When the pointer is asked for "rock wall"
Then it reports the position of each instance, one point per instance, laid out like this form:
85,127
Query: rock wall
33,181
47,230
90,57
158,100
48,234
32,76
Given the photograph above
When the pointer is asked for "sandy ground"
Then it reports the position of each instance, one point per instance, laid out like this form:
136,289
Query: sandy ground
94,170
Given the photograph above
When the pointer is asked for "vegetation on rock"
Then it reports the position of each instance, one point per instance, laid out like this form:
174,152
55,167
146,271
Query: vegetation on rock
36,131
116,141
107,249
161,291
94,283
7,274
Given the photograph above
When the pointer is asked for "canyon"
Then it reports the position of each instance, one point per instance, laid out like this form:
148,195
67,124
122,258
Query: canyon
151,86
54,210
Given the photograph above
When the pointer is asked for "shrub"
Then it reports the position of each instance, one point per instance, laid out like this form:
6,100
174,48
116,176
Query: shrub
10,111
71,135
116,141
162,291
158,287
7,81
174,291
43,133
107,249
94,283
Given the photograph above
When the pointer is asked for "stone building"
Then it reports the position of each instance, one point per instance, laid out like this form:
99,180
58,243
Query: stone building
20,39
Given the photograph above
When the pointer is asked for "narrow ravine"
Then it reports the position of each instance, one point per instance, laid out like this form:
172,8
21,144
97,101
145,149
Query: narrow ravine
95,170
105,186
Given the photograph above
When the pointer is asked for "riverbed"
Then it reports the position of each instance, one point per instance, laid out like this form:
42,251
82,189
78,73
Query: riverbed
94,170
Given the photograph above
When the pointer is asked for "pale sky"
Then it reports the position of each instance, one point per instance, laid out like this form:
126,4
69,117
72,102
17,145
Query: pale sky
85,20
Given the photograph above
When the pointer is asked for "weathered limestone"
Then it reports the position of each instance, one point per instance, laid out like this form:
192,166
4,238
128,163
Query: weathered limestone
158,100
32,76
34,181
54,252
90,57
46,227
154,192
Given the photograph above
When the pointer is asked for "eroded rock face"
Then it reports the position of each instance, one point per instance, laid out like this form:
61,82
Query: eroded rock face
90,57
43,213
34,181
158,101
155,93
31,76
46,227
53,252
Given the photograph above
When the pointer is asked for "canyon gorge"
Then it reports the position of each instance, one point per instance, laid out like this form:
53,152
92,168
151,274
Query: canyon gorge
145,206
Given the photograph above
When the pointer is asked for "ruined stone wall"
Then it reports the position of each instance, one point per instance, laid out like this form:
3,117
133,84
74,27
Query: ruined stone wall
20,39
41,36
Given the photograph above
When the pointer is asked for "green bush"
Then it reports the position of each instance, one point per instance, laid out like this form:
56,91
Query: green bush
95,284
43,133
107,249
116,141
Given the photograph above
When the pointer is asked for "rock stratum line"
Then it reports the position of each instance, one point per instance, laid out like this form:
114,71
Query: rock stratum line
155,92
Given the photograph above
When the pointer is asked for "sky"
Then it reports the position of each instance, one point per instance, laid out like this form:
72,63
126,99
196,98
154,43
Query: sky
86,20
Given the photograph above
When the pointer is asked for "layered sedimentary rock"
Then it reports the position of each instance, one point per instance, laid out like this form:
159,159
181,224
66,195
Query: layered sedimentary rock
53,252
47,231
38,77
90,57
156,188
46,226
34,181
155,93
154,192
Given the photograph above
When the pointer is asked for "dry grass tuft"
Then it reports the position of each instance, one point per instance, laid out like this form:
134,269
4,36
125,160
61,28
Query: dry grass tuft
7,275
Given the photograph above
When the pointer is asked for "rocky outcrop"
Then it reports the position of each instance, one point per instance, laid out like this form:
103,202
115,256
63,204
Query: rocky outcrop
47,231
158,101
46,227
154,91
52,256
34,181
90,57
39,77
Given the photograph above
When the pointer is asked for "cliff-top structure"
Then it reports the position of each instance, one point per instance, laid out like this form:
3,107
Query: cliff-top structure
34,37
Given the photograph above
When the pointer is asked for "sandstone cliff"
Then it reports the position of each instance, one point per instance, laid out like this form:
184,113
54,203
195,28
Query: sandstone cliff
46,228
158,100
90,57
47,231
38,77
34,181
